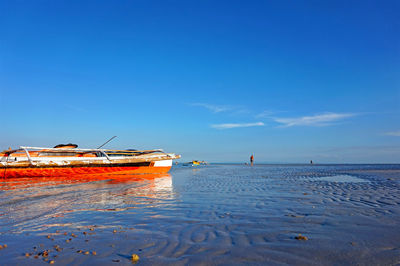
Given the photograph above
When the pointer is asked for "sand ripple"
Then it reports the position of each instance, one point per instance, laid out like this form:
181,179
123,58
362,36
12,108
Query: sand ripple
219,214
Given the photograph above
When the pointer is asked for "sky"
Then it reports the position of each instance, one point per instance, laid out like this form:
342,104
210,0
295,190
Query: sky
287,81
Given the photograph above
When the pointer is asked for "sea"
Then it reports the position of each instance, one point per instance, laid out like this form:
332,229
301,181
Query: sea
216,214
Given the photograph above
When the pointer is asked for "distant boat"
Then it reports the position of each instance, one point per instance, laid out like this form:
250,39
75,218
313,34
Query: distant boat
68,160
195,163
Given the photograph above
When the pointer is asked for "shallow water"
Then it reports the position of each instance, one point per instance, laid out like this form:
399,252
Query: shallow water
216,214
342,178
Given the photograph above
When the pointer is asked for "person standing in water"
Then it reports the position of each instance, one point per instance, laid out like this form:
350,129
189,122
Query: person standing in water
252,160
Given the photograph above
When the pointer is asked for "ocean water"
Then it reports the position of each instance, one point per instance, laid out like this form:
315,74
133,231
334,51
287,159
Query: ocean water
208,215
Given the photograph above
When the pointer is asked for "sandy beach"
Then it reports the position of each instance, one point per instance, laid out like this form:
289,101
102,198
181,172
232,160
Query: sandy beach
207,215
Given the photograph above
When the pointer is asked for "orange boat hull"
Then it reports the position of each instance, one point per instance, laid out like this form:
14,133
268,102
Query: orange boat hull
80,171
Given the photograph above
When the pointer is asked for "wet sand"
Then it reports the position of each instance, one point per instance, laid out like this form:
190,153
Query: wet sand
210,215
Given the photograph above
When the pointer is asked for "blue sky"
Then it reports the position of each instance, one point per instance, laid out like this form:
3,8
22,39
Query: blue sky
288,81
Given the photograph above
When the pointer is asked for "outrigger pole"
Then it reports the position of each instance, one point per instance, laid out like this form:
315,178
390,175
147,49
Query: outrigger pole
107,142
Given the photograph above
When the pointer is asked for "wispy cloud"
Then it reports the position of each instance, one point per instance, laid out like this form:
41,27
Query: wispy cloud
393,133
213,108
235,125
315,120
265,114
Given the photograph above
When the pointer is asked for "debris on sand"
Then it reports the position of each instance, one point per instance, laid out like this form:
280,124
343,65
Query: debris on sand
300,237
135,257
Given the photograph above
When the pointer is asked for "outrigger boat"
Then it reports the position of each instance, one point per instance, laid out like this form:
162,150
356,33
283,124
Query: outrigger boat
196,163
68,160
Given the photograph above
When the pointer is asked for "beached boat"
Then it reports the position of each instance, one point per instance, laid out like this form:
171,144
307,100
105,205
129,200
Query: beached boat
69,160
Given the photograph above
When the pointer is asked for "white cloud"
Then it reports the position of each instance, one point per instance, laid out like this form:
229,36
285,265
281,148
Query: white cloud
235,125
393,133
213,108
315,120
265,114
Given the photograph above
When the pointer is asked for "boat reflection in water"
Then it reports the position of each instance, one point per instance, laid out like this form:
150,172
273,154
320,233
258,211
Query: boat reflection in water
29,204
30,183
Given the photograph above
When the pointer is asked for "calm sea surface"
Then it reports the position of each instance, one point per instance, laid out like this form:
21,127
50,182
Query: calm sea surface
208,215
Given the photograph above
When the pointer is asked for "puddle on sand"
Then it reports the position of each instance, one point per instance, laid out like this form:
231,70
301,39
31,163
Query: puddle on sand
342,179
